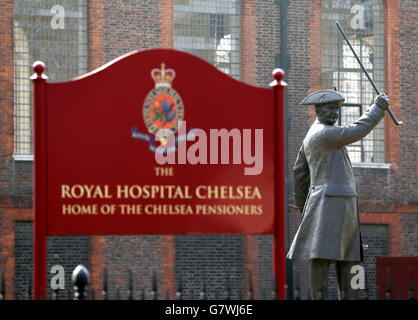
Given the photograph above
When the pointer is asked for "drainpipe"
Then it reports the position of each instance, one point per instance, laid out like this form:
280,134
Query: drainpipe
283,62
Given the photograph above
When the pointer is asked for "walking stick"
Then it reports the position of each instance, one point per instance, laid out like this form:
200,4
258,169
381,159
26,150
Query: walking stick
398,123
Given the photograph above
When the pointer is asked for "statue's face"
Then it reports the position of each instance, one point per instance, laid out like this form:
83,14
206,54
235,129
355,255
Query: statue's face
328,112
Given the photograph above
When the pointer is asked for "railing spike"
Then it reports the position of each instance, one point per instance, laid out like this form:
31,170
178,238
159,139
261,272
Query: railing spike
321,289
154,288
80,279
179,291
203,291
274,289
130,286
104,292
297,287
343,288
250,288
3,288
55,294
29,290
388,286
366,285
411,291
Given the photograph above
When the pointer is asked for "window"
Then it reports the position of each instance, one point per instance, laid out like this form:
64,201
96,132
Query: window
210,30
54,32
362,21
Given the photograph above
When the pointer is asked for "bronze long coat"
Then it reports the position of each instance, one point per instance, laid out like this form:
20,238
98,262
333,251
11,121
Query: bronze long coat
324,187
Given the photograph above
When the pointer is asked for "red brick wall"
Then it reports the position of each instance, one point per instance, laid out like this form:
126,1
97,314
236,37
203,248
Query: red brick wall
168,266
248,50
387,197
392,72
6,78
267,36
378,187
394,227
96,29
8,216
315,53
131,25
250,264
248,45
15,181
167,22
124,27
390,196
406,187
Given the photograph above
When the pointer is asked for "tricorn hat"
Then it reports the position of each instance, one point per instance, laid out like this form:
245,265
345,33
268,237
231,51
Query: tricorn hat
323,96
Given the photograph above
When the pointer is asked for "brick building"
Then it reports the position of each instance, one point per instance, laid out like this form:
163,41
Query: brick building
246,39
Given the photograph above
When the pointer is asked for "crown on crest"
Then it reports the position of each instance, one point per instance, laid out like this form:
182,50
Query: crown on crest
163,77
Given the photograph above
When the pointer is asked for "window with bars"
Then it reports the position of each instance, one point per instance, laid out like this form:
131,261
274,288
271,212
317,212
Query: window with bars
54,32
210,30
362,21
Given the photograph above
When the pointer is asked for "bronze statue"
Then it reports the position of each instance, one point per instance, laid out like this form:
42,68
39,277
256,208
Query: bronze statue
325,192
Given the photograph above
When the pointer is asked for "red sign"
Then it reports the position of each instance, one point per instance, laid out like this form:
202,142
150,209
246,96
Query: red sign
98,150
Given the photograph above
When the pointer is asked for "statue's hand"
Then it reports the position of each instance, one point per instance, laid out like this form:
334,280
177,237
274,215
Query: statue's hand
382,101
295,207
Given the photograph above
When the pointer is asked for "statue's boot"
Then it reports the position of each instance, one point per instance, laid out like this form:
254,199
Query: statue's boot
319,278
343,270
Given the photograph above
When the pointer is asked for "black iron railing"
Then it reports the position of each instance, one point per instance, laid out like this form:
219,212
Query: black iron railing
81,283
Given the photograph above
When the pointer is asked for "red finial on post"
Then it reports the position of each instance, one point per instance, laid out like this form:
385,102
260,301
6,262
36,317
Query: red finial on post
39,68
278,75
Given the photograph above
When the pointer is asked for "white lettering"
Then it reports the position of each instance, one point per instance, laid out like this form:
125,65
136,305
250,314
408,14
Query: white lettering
197,153
58,280
357,22
357,282
58,20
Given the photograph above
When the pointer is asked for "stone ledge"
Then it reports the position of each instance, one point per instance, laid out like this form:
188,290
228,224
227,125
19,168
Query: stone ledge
371,165
23,157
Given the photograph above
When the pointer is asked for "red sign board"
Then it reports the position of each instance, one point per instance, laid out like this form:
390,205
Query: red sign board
98,164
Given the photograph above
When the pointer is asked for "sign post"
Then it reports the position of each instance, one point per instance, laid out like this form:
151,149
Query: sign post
158,142
40,186
279,238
